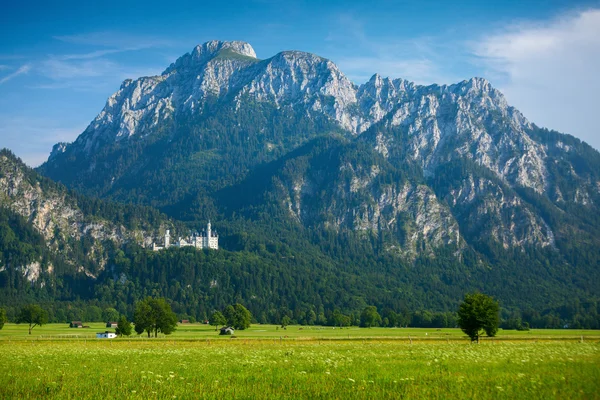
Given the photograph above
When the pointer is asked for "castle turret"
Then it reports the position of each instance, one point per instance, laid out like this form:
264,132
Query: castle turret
208,229
167,239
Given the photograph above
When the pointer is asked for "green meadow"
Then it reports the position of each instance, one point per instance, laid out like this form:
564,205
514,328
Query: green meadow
266,362
257,331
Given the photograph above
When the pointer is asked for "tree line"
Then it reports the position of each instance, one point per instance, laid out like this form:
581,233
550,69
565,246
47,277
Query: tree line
477,313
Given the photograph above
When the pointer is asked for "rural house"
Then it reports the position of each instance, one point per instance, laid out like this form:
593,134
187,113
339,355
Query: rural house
106,335
226,330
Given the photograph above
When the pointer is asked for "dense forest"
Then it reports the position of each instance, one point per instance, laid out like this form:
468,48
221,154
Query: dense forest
271,279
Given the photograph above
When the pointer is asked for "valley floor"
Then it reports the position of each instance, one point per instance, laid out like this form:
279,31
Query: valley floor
199,331
369,365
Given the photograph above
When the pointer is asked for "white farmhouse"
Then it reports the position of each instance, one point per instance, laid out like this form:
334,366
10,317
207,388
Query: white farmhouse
106,335
207,239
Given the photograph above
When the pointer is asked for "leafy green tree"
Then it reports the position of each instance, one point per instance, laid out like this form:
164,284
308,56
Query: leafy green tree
478,312
217,319
2,317
33,315
237,316
153,316
110,315
93,314
285,321
229,314
123,327
142,318
340,319
370,317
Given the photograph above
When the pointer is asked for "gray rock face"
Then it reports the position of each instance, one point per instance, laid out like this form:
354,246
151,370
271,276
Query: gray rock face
498,213
467,120
408,211
57,217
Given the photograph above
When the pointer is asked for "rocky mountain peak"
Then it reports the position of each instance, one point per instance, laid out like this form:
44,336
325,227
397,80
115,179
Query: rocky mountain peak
203,53
58,148
430,124
210,49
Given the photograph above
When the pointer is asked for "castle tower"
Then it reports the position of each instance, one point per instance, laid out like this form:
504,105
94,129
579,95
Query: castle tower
167,239
208,229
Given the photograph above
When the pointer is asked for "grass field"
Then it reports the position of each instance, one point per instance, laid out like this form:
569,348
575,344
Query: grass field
262,363
256,331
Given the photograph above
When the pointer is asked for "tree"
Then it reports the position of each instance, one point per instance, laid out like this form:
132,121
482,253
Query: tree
123,327
340,319
142,318
237,316
93,314
154,315
370,317
217,319
33,315
285,321
2,317
110,315
478,312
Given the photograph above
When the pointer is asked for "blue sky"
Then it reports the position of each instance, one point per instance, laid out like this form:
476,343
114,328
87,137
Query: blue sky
60,62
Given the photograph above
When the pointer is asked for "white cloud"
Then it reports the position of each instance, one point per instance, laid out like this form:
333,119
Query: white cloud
550,71
421,59
94,69
87,74
58,69
22,70
92,54
114,39
421,71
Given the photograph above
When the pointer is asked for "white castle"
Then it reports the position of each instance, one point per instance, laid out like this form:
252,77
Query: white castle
205,240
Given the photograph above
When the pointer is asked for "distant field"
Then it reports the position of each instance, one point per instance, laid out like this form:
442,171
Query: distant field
256,331
298,369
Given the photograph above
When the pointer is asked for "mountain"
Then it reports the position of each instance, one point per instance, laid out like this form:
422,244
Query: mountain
73,254
49,231
288,152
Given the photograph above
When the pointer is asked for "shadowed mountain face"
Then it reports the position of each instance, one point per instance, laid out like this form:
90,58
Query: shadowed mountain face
291,142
